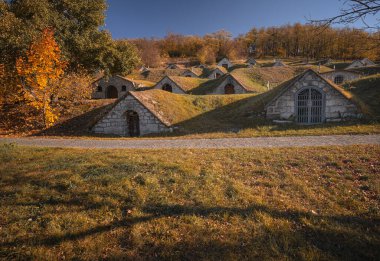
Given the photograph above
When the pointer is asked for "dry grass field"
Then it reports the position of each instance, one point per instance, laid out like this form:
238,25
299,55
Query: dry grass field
302,204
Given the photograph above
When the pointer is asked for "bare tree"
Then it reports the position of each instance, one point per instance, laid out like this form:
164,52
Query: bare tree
353,11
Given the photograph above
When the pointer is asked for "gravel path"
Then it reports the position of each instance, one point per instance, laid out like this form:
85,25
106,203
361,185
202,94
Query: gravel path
259,142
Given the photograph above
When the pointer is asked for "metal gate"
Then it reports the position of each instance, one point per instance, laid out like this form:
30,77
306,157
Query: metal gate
309,106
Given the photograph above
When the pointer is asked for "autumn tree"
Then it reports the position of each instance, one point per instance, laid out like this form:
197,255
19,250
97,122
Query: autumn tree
38,70
78,27
149,51
206,55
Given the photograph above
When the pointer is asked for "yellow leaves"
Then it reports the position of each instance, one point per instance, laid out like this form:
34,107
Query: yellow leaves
50,117
41,66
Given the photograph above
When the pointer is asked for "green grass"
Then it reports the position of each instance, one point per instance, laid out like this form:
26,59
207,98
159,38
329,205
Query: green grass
339,65
179,108
155,74
262,75
370,70
188,84
301,204
368,90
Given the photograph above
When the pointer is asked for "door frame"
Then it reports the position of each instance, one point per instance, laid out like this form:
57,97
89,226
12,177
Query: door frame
128,119
107,90
323,111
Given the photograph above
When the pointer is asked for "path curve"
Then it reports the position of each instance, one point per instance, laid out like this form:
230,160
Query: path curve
257,142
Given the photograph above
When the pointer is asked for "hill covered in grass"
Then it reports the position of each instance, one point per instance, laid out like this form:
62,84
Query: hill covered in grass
155,74
176,109
367,89
262,75
73,120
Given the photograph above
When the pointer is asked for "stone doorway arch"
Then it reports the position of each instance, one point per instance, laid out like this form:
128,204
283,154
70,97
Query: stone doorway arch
229,89
133,123
309,106
111,92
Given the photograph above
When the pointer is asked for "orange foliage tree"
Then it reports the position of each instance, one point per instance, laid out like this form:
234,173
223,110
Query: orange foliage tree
38,70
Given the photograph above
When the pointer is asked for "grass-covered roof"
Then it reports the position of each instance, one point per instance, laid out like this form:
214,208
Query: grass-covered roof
367,90
155,74
173,108
263,75
188,84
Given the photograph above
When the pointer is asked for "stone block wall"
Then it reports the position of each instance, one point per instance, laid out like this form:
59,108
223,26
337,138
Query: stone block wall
335,104
225,61
116,81
115,121
214,72
189,74
347,76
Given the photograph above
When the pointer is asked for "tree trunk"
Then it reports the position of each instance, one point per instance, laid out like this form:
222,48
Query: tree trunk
44,111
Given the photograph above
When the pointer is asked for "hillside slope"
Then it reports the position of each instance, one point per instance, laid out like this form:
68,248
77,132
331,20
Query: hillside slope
367,89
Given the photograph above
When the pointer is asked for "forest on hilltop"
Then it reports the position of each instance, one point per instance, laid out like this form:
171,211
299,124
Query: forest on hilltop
287,41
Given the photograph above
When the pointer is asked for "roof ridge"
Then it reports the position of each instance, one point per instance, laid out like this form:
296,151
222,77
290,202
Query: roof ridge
238,81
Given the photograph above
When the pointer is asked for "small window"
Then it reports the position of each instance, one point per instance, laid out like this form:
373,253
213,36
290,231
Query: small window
338,79
229,89
167,87
99,89
123,88
225,65
188,75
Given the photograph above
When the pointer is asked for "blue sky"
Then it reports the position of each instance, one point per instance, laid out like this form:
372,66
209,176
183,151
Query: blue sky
155,18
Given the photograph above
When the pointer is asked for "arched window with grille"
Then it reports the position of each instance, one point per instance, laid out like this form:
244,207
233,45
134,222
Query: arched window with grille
338,79
123,88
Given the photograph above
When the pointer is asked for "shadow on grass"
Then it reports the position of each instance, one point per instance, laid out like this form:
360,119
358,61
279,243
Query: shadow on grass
342,242
76,126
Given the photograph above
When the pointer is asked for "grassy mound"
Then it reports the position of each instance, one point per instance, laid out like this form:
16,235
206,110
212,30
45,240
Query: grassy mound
189,84
260,76
178,109
264,204
155,74
73,120
339,65
370,70
367,89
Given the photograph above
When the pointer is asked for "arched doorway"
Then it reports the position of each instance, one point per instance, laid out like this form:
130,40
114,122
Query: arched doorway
111,92
309,106
167,87
133,123
229,89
